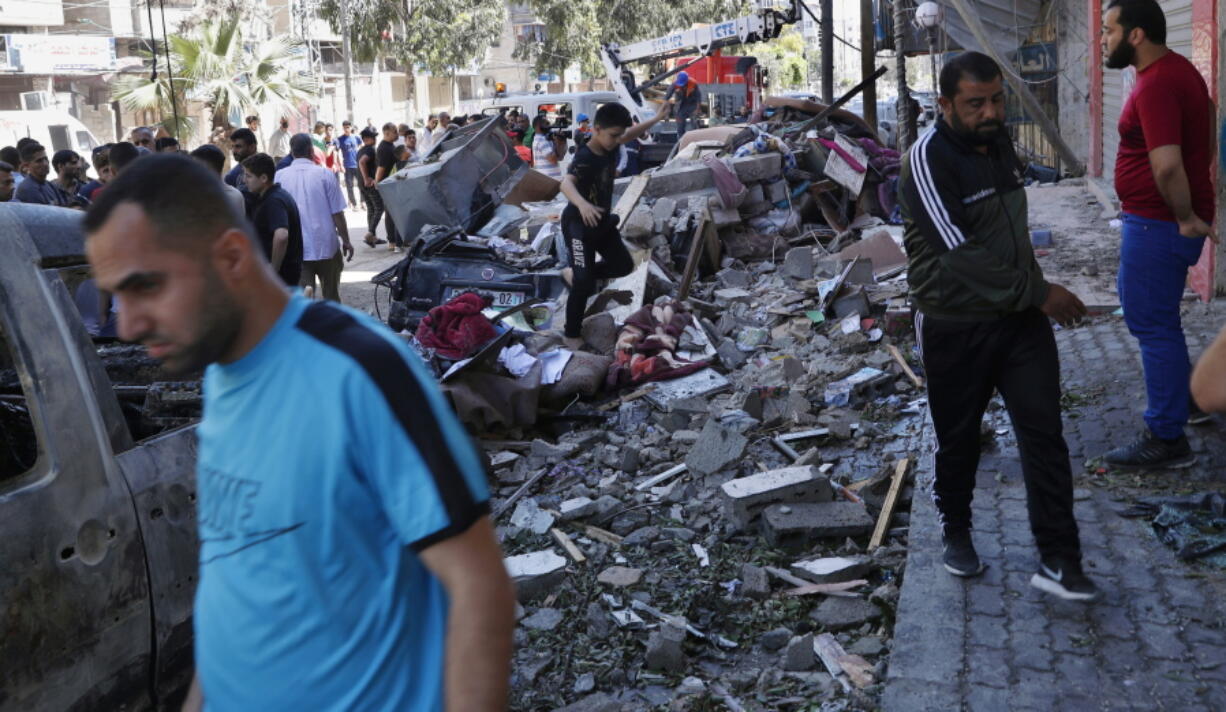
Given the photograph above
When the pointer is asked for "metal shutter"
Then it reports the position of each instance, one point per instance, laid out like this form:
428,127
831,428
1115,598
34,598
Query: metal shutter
1117,82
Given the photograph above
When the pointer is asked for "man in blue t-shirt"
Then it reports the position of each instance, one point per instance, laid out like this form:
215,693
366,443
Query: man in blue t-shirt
349,144
342,510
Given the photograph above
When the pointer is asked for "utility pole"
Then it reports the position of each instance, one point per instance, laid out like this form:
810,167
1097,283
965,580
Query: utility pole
348,60
906,122
868,61
827,48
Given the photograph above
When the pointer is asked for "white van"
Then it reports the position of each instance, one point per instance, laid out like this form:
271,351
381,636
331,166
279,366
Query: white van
55,130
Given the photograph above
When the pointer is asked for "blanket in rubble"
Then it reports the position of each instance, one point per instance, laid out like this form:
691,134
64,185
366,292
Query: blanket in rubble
647,344
456,330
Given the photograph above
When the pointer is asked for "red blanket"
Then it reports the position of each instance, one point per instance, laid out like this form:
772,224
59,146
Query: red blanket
457,329
647,344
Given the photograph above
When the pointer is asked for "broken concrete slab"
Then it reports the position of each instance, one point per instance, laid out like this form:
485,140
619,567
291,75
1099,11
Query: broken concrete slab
577,508
838,613
798,263
833,569
799,656
758,167
528,515
852,300
700,384
639,225
880,249
664,651
755,583
797,525
746,497
535,574
620,576
543,619
729,296
717,447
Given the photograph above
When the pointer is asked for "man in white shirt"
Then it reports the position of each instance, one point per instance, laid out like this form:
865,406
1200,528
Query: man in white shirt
321,207
278,142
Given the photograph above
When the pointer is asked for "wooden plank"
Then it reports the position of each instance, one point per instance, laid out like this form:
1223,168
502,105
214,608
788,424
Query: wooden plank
827,588
599,534
891,501
839,662
906,367
691,260
502,508
630,198
660,478
787,577
566,542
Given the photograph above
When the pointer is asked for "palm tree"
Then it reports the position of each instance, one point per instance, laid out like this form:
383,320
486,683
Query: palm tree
212,65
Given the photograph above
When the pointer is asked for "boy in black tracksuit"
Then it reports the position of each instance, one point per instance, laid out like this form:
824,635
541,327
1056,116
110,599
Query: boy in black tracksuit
982,309
588,225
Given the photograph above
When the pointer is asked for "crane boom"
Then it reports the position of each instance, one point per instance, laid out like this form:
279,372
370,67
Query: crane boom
765,23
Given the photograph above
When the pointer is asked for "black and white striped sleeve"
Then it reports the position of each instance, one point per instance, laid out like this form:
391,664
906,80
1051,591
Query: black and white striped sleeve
930,198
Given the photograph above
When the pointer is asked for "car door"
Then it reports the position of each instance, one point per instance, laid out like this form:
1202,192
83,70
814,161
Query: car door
74,598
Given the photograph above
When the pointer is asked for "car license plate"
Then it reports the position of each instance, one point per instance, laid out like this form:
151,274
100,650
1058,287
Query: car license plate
501,299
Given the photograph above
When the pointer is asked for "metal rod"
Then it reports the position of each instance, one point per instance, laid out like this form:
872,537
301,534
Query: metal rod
170,71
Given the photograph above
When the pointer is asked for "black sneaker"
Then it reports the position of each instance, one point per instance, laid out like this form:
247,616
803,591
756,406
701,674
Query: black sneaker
1063,578
960,556
1149,452
1196,416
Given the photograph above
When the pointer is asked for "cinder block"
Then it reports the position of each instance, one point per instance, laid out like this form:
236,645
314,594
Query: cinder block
535,574
798,525
836,569
762,166
746,497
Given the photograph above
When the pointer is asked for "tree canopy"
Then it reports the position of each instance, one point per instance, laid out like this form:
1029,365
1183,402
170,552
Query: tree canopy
439,36
575,29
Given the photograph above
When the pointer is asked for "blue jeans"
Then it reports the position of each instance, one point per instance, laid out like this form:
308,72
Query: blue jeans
1154,262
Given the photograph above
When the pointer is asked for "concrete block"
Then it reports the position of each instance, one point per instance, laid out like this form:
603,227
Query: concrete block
717,447
640,224
535,574
861,273
681,178
724,297
577,508
799,655
762,166
834,569
776,190
798,525
664,650
754,194
729,277
798,263
664,209
725,217
853,301
746,497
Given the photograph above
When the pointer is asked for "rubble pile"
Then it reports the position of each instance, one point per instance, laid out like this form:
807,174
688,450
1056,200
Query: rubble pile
706,506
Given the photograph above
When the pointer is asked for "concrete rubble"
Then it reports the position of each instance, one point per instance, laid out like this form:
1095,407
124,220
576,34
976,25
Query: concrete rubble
685,535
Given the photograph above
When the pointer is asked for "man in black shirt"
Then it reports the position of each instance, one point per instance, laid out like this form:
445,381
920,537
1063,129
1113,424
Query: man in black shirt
587,224
367,161
385,165
275,217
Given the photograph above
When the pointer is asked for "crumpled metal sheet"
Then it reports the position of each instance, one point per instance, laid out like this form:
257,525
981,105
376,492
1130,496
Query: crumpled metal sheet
478,167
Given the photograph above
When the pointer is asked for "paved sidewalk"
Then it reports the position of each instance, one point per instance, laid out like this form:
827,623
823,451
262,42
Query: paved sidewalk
1157,639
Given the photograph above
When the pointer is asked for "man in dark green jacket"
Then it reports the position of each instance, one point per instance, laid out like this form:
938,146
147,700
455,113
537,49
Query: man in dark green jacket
982,309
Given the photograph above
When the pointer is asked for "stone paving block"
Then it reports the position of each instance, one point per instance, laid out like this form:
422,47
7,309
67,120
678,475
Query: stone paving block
987,632
1030,650
1035,689
983,600
908,695
987,699
746,497
798,525
1113,621
987,666
1161,641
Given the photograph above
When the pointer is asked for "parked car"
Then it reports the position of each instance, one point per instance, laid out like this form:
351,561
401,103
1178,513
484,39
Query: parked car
445,264
55,130
98,543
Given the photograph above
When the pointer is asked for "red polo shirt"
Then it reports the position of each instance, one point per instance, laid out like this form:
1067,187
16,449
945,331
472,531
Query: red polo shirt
1169,106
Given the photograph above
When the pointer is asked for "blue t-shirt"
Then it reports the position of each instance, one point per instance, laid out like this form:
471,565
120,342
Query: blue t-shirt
349,146
328,458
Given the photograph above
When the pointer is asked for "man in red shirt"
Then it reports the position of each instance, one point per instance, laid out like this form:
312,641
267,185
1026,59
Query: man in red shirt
1162,176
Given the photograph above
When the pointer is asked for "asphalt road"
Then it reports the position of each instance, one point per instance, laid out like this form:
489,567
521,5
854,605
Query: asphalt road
356,288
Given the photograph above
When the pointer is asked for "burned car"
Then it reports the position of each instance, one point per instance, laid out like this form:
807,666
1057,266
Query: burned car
98,539
444,264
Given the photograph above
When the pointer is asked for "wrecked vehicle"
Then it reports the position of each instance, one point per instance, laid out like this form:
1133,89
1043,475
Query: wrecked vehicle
444,264
97,492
